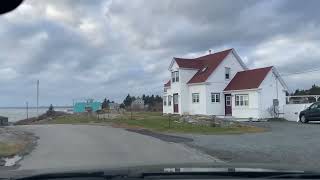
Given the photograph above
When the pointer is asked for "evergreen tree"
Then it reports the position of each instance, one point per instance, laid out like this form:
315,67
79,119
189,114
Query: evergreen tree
152,99
127,101
314,90
104,104
158,99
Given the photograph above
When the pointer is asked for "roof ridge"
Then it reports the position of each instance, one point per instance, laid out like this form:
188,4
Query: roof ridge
223,51
214,53
255,69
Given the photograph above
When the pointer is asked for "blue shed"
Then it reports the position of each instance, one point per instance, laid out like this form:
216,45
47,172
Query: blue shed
86,106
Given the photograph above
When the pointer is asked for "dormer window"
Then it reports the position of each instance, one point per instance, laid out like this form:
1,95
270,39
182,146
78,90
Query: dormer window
227,73
175,76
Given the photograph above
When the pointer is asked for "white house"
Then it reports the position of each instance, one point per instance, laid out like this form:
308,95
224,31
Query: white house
221,84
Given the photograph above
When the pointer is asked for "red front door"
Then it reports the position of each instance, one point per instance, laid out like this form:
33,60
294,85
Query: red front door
175,103
228,105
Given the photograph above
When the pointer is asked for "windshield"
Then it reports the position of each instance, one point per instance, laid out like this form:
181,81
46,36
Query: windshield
115,83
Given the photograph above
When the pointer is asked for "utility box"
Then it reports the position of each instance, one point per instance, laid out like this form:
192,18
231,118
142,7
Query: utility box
4,121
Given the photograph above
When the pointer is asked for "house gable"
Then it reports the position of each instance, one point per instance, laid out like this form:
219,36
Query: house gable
271,88
209,64
272,79
173,66
231,61
205,65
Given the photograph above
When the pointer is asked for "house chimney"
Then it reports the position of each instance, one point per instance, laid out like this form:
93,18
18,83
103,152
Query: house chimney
209,51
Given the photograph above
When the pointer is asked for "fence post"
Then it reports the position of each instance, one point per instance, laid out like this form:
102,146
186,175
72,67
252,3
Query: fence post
169,120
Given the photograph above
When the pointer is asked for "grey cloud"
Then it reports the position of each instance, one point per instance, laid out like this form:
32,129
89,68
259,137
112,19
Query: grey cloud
126,46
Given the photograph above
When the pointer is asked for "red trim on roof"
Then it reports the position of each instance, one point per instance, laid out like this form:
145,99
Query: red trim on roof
205,65
249,79
188,63
168,84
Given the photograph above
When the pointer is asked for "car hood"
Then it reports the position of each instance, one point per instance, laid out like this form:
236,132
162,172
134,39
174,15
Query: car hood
161,168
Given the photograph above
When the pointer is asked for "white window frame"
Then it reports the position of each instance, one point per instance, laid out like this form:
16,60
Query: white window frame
227,72
164,100
195,97
175,76
242,100
169,100
215,97
228,99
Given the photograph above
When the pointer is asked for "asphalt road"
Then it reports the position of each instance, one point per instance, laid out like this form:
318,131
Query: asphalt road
285,143
71,146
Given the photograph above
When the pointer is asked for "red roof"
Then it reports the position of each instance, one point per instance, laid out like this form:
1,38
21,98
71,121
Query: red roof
249,79
168,84
205,65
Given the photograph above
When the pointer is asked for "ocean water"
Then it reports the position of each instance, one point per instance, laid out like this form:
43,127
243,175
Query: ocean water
15,114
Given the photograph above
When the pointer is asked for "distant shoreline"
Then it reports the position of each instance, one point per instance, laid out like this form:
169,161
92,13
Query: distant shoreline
42,107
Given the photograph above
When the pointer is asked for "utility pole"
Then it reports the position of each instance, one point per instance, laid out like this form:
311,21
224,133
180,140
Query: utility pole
27,108
37,97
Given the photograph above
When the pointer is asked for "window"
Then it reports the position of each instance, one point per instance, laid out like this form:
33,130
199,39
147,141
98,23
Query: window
315,106
164,100
228,100
242,100
195,97
215,97
169,100
175,76
165,90
227,73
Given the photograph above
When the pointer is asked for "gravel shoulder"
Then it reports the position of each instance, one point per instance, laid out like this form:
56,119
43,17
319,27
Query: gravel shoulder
285,143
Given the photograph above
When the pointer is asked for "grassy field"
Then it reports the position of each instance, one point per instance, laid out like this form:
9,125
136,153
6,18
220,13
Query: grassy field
10,149
156,122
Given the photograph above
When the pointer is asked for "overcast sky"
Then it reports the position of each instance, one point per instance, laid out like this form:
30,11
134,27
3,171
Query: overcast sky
109,48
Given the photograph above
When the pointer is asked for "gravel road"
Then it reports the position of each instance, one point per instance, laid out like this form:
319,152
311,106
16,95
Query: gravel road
285,143
71,146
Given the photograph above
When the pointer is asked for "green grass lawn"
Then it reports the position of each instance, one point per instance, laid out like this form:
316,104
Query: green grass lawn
74,119
156,122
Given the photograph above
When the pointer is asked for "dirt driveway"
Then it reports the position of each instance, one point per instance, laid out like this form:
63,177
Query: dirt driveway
87,146
285,143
